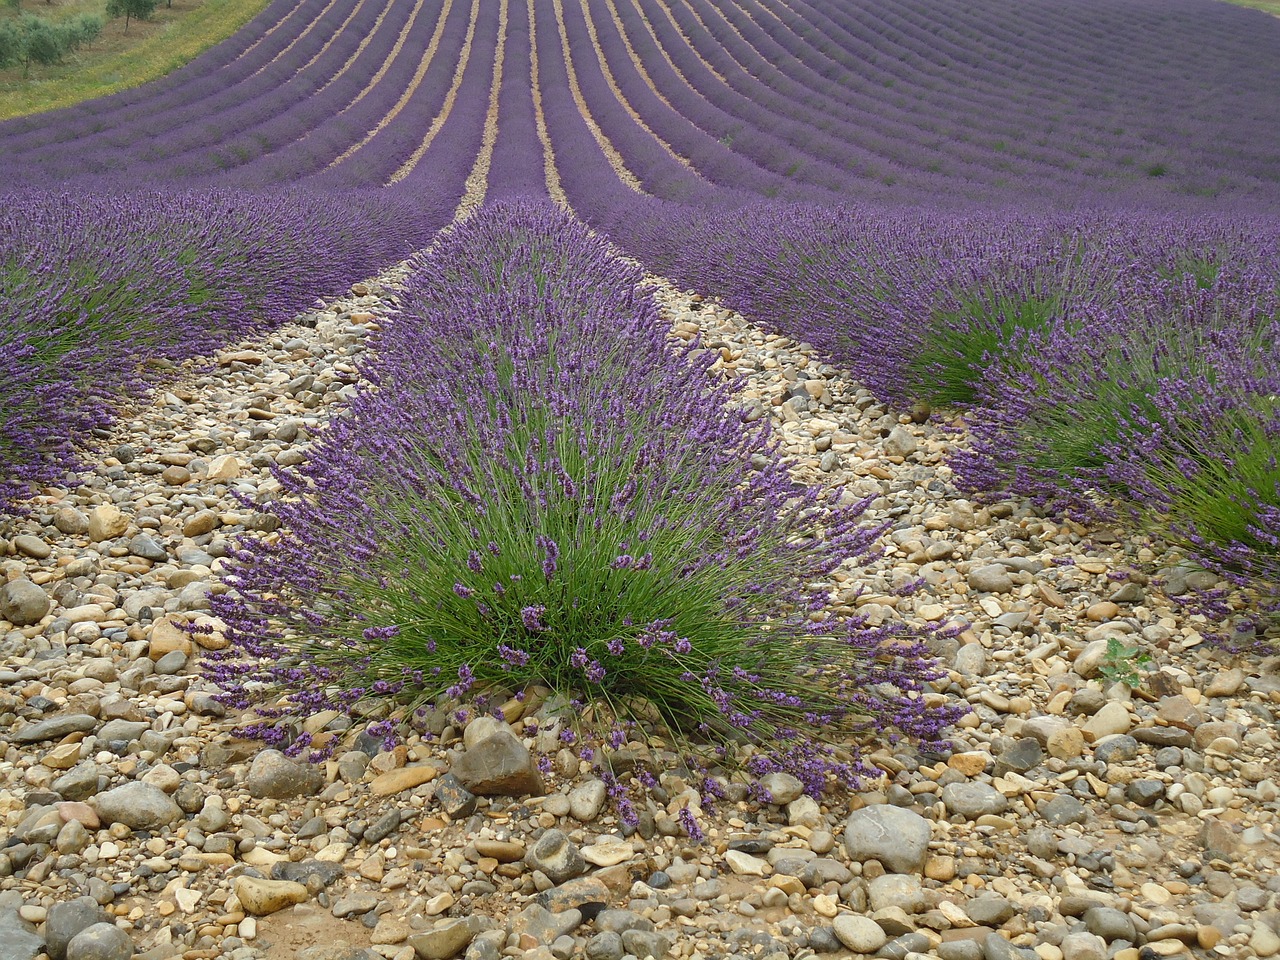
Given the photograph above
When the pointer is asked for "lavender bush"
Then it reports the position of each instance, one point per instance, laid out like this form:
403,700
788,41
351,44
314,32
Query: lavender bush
562,500
100,295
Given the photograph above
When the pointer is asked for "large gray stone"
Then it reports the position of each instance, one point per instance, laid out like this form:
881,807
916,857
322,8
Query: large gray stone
139,806
102,941
18,939
972,800
23,603
897,837
278,777
67,919
449,939
556,856
55,728
499,765
991,578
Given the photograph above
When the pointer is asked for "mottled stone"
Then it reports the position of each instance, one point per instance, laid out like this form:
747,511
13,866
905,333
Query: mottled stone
897,838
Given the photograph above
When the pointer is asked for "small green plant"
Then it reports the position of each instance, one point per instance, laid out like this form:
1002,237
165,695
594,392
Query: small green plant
1124,664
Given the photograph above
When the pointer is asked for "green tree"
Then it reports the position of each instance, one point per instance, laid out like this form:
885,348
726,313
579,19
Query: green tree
82,30
131,9
13,46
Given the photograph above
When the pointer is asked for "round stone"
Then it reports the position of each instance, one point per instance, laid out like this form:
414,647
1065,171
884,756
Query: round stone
859,934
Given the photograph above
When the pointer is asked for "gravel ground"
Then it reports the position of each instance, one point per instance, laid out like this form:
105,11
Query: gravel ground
1073,820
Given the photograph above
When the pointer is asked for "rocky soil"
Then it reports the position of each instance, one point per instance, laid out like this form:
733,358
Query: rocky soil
1075,819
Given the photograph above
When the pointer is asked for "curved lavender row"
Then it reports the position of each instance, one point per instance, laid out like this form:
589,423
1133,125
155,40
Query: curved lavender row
239,125
224,64
101,291
717,111
383,156
516,169
658,172
312,154
707,155
1157,42
843,112
153,140
1122,361
583,518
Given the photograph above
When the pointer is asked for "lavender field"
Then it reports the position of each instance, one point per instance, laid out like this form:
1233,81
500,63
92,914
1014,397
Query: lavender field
1053,229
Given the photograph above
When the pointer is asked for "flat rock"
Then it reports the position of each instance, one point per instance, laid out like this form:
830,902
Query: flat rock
139,806
991,578
973,800
499,765
102,941
274,775
55,728
18,939
449,939
23,603
263,897
556,856
401,779
859,934
897,838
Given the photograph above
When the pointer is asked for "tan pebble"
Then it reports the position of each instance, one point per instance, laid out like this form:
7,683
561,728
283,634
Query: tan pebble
1155,893
176,476
1103,611
406,778
942,869
262,897
1066,744
504,851
62,757
788,885
167,636
374,868
824,905
438,904
1207,937
165,908
970,764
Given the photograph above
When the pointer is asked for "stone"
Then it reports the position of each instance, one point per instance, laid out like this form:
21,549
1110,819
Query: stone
33,547
200,523
273,775
167,636
449,939
1109,924
609,851
70,521
991,578
102,941
401,779
1020,756
860,934
1264,941
499,765
605,945
68,918
1113,718
973,800
1083,945
901,442
18,938
896,837
646,944
1144,792
971,660
782,788
23,603
146,547
556,856
223,468
586,800
990,910
896,890
1116,749
1065,744
996,947
55,728
106,522
1225,684
139,806
455,799
1219,840
745,865
1063,809
354,904
264,897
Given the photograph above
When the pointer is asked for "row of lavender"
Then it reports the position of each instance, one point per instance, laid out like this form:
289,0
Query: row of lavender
579,527
921,100
100,295
1111,365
